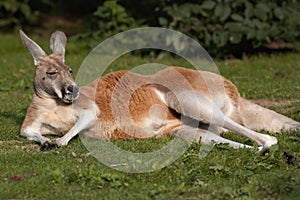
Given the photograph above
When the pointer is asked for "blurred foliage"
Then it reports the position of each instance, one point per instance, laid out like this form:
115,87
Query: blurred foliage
111,16
223,27
228,26
14,13
108,19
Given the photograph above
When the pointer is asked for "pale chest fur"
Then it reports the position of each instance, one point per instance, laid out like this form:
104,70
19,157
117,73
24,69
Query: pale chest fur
52,117
61,118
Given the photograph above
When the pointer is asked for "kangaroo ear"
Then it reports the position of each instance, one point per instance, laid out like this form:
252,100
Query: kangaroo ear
58,41
36,51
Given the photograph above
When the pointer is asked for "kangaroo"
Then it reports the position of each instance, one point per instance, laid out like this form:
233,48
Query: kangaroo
192,104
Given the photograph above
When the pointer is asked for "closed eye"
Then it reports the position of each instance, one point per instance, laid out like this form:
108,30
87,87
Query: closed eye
51,73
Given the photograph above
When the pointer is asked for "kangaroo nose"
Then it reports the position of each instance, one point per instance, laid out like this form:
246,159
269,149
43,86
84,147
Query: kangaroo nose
72,89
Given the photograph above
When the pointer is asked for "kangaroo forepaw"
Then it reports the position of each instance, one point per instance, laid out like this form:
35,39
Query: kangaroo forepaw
48,145
264,150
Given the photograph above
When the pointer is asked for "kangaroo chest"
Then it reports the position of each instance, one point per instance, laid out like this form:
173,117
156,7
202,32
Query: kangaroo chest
57,119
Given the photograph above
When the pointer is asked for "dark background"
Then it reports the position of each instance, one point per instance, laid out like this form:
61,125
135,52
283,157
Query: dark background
226,27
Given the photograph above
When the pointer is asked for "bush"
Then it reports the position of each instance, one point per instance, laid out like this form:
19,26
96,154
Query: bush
109,18
236,26
14,13
222,26
19,13
112,17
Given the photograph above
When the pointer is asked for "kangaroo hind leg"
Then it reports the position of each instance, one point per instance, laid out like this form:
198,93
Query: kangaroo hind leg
201,108
206,135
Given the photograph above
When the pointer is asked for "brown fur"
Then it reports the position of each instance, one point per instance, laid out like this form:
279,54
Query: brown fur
144,97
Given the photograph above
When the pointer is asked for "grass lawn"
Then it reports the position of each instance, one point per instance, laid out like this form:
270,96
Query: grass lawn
72,173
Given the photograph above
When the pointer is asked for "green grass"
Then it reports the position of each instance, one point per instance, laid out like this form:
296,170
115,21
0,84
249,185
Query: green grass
72,173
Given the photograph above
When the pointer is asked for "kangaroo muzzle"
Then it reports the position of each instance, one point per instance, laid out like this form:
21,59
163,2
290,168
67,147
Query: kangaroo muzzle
70,93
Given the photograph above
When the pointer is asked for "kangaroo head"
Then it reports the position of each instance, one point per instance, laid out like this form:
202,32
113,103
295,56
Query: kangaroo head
53,79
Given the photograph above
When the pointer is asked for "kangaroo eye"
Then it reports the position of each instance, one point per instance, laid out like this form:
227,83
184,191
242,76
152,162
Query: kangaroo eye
70,71
51,73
